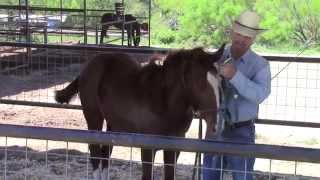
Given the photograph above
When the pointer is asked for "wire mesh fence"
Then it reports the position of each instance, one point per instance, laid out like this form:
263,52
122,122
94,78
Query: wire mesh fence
295,92
28,158
36,76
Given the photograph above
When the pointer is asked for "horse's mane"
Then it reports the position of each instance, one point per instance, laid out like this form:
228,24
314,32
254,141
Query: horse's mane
174,64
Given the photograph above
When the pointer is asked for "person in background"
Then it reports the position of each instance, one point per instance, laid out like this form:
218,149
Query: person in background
246,83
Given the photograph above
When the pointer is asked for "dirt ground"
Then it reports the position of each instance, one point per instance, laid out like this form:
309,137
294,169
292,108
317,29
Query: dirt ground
42,160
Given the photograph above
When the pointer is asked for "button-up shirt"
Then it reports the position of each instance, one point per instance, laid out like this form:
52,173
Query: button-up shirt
250,85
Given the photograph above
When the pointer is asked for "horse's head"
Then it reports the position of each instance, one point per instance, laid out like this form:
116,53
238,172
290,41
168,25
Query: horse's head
199,78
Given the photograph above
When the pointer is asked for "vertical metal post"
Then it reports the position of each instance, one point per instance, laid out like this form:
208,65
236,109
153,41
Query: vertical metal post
45,29
45,36
97,33
5,158
27,30
85,20
19,33
197,162
26,161
149,24
61,21
123,25
199,154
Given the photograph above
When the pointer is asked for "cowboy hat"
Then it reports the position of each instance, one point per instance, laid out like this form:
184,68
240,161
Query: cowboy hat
247,24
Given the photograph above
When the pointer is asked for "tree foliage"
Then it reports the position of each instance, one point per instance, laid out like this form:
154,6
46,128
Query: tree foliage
208,22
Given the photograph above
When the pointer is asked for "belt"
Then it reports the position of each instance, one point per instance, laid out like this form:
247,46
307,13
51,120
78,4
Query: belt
240,124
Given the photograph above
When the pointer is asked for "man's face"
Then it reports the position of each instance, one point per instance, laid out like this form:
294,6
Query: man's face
240,43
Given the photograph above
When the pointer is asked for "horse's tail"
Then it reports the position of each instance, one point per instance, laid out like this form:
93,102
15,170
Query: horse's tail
66,94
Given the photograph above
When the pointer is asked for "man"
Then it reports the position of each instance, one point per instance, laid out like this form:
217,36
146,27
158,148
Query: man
246,83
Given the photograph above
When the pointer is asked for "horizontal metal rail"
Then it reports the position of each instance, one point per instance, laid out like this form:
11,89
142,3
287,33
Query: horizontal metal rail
151,50
145,50
79,107
163,142
34,8
23,7
40,104
288,123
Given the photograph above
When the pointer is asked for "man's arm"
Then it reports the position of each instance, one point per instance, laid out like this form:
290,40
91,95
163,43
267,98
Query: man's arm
257,89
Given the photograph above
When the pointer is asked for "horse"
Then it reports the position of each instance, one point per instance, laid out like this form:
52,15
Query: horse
150,99
133,29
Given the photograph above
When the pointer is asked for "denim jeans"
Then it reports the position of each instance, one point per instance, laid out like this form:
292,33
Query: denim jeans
241,167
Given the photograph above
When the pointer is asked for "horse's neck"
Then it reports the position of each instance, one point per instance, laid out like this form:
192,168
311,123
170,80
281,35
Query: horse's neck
177,98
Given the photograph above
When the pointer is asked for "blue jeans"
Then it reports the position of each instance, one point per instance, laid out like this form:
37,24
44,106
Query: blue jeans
241,167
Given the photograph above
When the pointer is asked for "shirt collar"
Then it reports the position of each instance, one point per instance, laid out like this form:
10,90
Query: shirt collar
244,58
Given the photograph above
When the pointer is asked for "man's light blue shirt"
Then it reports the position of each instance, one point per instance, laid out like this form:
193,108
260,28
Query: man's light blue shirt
250,85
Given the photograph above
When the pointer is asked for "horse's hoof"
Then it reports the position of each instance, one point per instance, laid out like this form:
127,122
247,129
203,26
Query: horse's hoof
105,174
97,174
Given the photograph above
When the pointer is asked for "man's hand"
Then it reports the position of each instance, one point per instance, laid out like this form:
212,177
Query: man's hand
228,70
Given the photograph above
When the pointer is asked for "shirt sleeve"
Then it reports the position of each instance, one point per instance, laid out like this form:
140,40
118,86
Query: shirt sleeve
257,89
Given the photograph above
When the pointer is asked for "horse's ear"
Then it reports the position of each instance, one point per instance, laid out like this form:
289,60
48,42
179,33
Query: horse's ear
217,55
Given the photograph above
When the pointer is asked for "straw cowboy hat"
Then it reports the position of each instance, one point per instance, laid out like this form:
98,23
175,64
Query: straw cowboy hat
247,24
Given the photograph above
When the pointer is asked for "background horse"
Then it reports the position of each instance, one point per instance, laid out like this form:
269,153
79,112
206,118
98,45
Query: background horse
133,29
148,99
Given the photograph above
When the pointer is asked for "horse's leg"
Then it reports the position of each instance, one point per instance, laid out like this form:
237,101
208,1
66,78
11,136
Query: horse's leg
106,153
147,157
95,122
136,34
170,158
129,34
103,33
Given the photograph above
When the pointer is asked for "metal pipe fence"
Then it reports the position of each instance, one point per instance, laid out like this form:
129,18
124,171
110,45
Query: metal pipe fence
271,155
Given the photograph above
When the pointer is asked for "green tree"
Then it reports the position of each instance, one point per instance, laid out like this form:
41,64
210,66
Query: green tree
290,21
208,21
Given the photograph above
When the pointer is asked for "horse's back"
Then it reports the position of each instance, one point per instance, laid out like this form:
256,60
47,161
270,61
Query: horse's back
107,17
112,67
130,17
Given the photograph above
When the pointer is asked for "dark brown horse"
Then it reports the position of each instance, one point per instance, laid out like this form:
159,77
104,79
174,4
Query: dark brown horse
149,99
131,26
